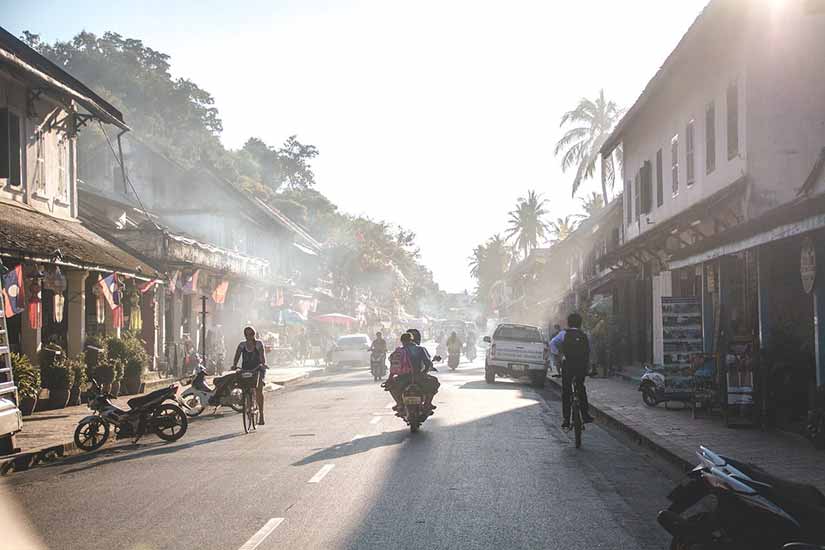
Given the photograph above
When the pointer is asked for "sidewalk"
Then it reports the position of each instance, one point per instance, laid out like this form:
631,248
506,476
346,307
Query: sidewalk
674,434
48,435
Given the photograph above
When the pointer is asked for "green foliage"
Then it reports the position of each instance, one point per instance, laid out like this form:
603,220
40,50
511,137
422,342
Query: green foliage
61,374
488,265
592,203
126,355
81,375
285,167
527,225
562,228
26,376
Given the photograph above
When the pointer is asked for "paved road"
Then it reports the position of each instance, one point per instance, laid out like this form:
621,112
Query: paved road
333,468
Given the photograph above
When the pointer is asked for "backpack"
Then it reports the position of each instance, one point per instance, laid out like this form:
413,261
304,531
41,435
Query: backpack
400,362
575,348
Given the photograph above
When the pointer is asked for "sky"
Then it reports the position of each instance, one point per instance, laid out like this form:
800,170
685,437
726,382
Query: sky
435,115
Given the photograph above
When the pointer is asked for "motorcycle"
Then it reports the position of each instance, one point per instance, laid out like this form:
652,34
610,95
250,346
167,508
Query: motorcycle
414,399
749,508
378,365
146,414
199,395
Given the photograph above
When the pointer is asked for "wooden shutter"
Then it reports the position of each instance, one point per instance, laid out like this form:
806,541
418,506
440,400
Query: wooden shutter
647,187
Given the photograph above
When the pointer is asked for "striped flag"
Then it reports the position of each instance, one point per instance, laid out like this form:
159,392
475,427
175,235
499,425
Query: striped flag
13,291
108,286
219,294
148,285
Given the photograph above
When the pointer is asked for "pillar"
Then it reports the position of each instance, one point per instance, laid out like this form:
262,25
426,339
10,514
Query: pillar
819,312
76,301
173,358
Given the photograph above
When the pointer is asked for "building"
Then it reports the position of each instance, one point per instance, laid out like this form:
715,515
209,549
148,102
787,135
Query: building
43,109
722,172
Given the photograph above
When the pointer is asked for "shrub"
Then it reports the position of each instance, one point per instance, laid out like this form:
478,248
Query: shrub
26,376
60,375
78,365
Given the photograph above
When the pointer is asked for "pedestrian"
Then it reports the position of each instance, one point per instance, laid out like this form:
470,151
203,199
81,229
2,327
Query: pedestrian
251,350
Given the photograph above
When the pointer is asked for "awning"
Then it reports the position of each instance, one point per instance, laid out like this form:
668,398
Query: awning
31,235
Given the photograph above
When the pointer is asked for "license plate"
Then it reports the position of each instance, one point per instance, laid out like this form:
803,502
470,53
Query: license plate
412,400
518,367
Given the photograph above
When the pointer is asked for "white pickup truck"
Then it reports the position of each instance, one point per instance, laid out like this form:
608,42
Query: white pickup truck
517,351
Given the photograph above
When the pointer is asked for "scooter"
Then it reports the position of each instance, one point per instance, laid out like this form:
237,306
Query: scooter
199,395
378,365
146,414
749,508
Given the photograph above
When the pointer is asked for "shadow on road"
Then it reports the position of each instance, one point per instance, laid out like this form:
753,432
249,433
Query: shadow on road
358,446
152,449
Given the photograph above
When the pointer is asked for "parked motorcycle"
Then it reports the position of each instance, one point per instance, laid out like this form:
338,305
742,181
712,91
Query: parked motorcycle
199,395
378,365
146,414
749,508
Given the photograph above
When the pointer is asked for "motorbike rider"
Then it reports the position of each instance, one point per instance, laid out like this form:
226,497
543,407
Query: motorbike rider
573,344
429,382
419,360
254,357
379,345
454,344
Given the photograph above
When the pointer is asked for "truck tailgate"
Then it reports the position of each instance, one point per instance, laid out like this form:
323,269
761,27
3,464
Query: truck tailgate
519,352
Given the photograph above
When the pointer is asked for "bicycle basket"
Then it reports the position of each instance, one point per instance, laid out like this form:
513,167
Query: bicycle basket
247,378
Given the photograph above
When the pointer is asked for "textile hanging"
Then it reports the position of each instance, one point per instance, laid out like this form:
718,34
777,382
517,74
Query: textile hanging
173,282
191,286
100,305
13,294
108,286
135,318
35,307
219,294
145,287
59,301
117,317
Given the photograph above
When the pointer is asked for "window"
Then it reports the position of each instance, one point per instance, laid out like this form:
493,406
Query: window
10,150
39,180
710,138
637,196
629,201
647,187
674,163
689,152
733,120
63,170
518,333
660,191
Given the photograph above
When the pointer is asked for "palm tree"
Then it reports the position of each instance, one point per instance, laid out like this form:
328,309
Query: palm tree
592,123
592,203
477,261
563,227
527,225
488,265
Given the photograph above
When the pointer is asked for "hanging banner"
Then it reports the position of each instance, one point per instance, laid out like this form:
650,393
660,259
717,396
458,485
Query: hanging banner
219,294
173,282
59,302
148,285
117,317
191,285
13,291
35,307
135,316
108,286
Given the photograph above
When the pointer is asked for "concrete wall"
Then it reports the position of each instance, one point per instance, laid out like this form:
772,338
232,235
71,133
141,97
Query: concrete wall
48,185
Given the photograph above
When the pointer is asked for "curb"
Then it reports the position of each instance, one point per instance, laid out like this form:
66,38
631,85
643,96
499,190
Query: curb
643,438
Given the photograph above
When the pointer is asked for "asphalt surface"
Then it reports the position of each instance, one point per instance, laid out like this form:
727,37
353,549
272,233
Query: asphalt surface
333,468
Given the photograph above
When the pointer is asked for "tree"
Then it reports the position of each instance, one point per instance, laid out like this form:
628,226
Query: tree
591,121
488,265
563,227
527,225
592,203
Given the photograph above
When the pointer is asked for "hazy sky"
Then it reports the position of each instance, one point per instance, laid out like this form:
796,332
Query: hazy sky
455,102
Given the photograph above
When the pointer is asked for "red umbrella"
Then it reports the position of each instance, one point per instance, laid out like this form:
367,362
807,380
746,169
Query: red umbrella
336,319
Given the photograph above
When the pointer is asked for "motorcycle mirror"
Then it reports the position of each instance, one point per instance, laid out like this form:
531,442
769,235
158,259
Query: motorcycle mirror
437,359
487,339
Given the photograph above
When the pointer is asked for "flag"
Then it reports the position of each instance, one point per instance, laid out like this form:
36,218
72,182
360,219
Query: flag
108,286
117,317
191,286
219,294
13,291
148,285
35,307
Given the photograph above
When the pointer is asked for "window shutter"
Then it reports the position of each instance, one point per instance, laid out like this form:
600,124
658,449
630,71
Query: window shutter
4,143
647,187
14,149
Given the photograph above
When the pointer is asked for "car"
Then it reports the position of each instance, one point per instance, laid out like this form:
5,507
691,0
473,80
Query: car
517,351
351,349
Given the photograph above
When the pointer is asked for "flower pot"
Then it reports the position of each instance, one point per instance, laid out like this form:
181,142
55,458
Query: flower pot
132,385
27,405
58,397
115,388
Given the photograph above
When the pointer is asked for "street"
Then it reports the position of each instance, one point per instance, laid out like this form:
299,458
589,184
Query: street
333,468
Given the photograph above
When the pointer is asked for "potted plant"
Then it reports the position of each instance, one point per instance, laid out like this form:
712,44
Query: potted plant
135,361
132,376
27,379
117,375
80,378
59,380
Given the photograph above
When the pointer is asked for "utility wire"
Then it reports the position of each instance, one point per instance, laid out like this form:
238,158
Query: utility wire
126,176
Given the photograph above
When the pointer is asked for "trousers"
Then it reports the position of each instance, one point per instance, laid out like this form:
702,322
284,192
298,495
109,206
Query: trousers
571,376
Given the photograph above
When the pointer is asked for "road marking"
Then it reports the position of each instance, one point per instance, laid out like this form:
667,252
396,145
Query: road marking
321,473
356,437
375,420
390,405
262,533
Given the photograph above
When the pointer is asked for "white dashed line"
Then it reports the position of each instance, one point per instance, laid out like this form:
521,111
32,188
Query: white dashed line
356,437
262,533
375,420
321,473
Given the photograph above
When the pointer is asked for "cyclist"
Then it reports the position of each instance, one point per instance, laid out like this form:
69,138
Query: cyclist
254,357
574,346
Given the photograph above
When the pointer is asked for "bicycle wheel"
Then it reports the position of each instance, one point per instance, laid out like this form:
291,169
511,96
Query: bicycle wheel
577,422
248,410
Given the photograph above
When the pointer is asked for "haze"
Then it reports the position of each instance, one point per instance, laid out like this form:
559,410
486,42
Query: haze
433,115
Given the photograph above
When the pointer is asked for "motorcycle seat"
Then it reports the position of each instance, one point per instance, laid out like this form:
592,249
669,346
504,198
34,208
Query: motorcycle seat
137,402
783,489
220,380
200,384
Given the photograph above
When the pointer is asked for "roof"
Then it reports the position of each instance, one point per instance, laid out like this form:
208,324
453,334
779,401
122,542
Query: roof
28,234
16,54
655,82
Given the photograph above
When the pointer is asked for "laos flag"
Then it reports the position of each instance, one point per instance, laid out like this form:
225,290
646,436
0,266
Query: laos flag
13,291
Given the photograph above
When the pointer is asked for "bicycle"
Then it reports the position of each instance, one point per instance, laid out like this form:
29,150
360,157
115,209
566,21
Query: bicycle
248,382
575,414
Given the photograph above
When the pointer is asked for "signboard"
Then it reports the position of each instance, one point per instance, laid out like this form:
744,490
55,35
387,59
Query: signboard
681,339
807,265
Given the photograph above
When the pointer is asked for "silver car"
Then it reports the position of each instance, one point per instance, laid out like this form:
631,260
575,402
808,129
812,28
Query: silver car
351,349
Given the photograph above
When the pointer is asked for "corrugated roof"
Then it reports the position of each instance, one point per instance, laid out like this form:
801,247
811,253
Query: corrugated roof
33,235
